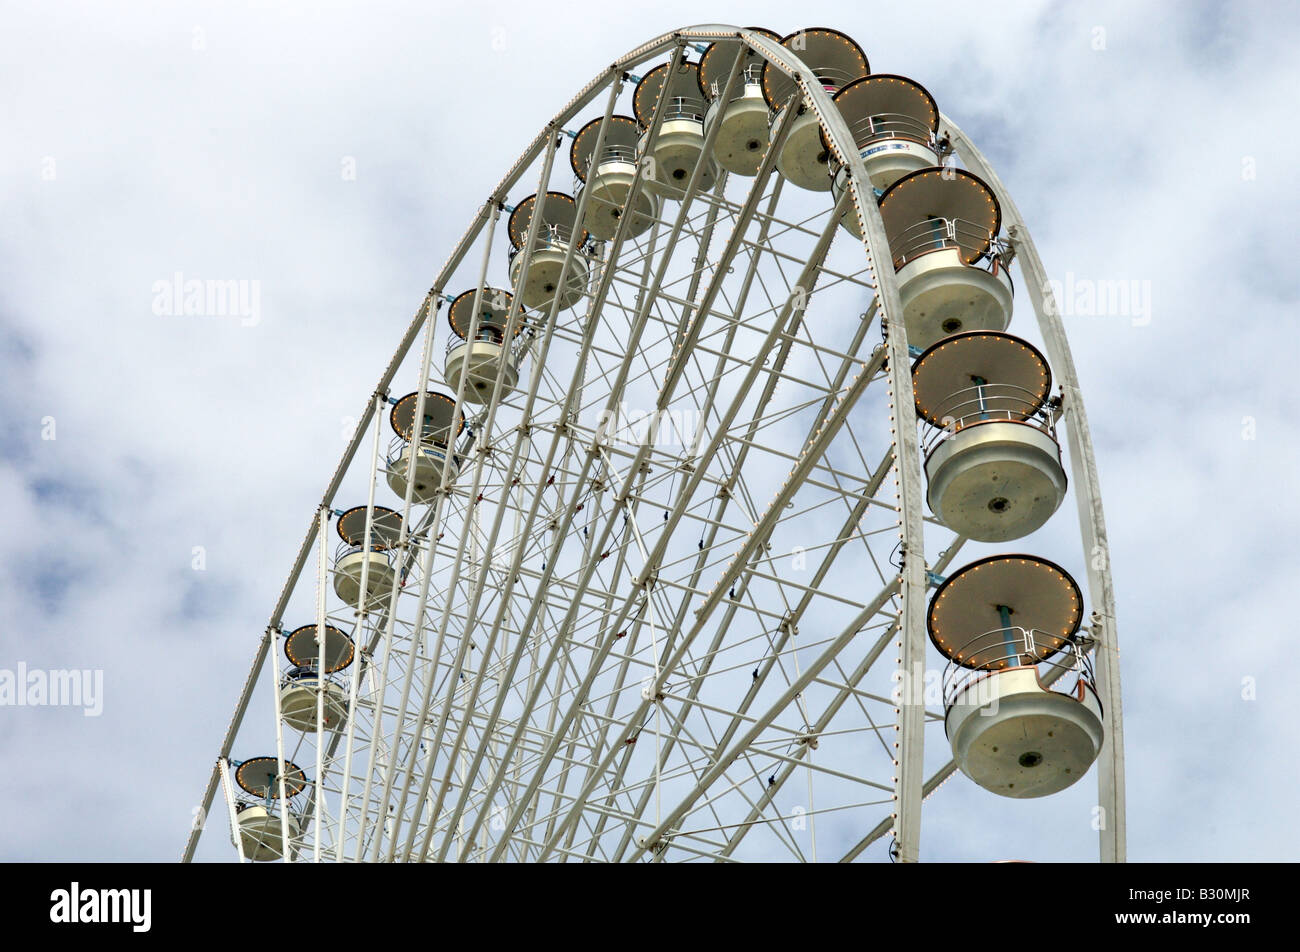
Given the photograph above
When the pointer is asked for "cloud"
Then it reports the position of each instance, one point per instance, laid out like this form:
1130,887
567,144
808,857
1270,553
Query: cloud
216,142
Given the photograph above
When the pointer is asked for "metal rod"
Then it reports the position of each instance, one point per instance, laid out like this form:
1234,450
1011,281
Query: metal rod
273,672
223,765
322,564
363,603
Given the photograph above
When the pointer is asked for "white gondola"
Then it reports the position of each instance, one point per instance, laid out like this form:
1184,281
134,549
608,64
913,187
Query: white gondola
745,119
836,60
942,225
993,464
607,177
434,454
541,285
298,694
679,146
482,355
894,122
1020,707
261,829
355,557
305,680
261,832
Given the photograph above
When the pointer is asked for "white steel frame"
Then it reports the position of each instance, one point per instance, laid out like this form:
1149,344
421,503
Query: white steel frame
501,713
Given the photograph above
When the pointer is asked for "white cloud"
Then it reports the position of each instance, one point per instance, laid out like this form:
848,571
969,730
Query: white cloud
225,162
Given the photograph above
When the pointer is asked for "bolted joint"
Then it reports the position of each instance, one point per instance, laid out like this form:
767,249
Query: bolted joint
657,847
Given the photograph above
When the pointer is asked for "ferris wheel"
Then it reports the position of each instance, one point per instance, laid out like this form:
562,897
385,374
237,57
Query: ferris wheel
703,517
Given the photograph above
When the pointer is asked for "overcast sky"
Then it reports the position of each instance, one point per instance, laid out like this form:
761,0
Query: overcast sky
1147,143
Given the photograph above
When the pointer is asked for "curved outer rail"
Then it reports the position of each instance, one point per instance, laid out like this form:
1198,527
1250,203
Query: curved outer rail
1092,524
1087,493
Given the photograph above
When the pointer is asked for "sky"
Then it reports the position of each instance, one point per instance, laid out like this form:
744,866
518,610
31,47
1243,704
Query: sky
158,470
